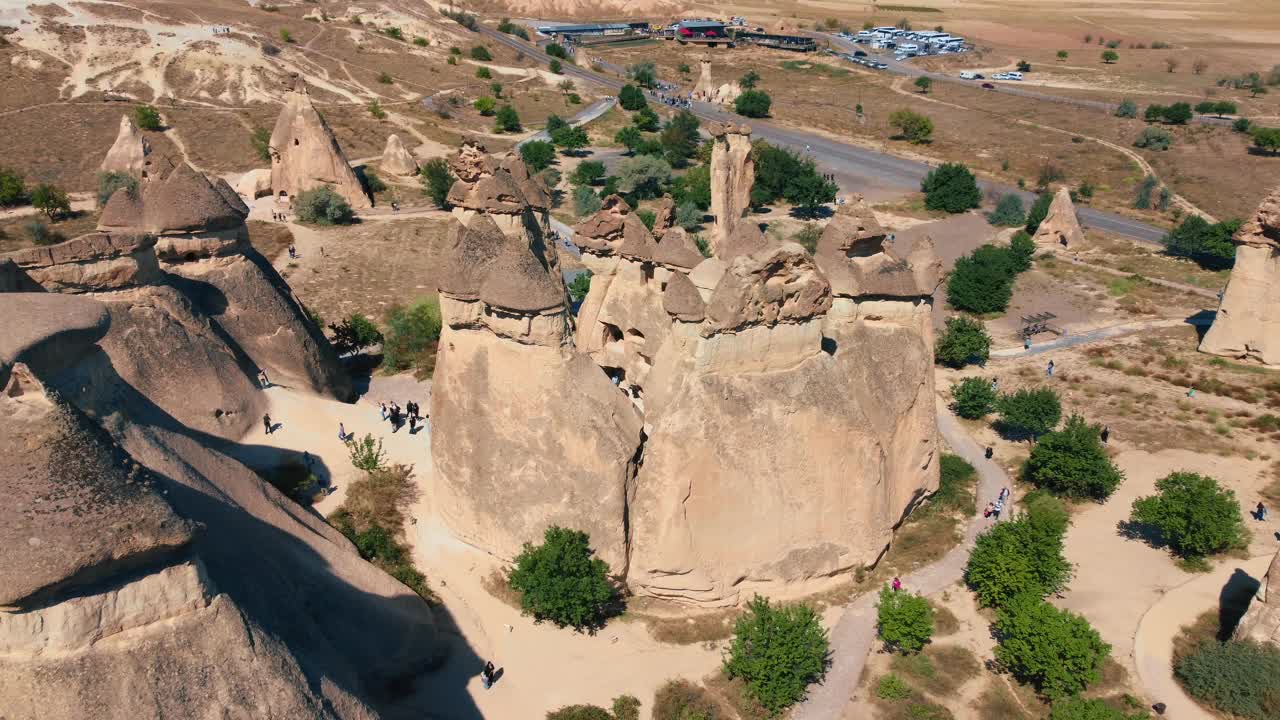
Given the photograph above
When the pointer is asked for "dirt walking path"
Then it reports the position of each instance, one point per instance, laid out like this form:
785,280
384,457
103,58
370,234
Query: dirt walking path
855,631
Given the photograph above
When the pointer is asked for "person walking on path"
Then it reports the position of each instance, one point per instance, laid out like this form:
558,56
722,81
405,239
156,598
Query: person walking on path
1026,342
342,432
1048,370
486,675
897,584
266,423
384,410
1262,512
995,384
413,424
990,451
1106,433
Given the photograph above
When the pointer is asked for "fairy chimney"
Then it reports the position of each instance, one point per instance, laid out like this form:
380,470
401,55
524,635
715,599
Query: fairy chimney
397,160
128,154
1060,226
1247,326
733,171
305,155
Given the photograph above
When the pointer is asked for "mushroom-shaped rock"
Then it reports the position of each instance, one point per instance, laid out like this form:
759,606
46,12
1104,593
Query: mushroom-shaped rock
602,232
857,259
677,249
129,153
637,243
1060,225
469,251
681,299
517,280
396,159
732,175
472,161
1247,325
776,285
184,200
305,155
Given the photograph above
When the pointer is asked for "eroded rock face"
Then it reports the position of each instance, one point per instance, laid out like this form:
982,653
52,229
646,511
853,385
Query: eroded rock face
305,155
397,160
706,89
255,183
855,255
129,153
1060,226
556,447
1261,622
1247,325
732,175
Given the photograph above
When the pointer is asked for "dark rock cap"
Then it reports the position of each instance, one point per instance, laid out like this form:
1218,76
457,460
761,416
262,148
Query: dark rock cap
681,299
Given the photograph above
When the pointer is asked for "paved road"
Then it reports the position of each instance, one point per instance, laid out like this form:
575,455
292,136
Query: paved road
860,168
591,112
855,633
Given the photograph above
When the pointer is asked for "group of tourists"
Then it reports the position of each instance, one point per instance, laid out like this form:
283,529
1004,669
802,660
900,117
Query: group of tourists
279,216
674,101
412,413
994,509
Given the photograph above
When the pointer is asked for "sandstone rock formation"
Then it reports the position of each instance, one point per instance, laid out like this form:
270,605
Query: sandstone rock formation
305,154
1060,226
733,172
1261,621
129,153
834,354
146,574
555,447
706,90
254,183
396,159
1247,326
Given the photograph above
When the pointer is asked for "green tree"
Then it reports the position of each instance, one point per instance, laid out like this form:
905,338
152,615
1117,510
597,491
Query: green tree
749,80
50,200
1193,514
1241,125
260,138
1205,107
777,650
110,181
580,712
322,206
1224,107
1237,677
1153,113
481,53
485,105
980,286
570,139
1078,708
147,117
963,341
561,581
688,216
1178,113
648,217
1208,244
555,66
808,192
1110,56
13,190
411,336
483,73
1021,555
1055,650
695,187
588,172
366,453
647,120
775,167
354,334
643,176
974,398
506,120
631,98
1071,462
1062,54
753,104
951,187
285,35
680,138
1021,249
580,286
904,621
683,700
1030,412
1039,210
1127,109
912,126
557,51
1266,139
585,202
629,137
436,181
924,83
627,707
1008,212
644,74
1153,138
496,88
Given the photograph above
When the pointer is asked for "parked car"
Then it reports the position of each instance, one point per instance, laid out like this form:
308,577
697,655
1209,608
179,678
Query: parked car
859,53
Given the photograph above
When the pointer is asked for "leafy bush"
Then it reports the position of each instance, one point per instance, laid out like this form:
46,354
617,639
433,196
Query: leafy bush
570,138
537,155
963,341
585,201
588,172
580,712
783,173
372,183
506,26
904,621
1021,249
974,398
580,286
645,73
260,138
1143,199
385,78
146,117
1057,651
808,236
1266,139
13,190
631,98
956,480
680,138
1152,138
1193,514
778,650
40,234
366,453
110,181
560,581
626,707
322,206
1208,244
506,120
411,336
892,687
556,50
555,66
694,187
1241,678
683,700
1241,125
1008,212
1039,210
375,109
50,200
485,105
951,187
1110,56
982,282
688,216
1077,708
924,83
753,104
1178,113
372,518
647,120
643,176
481,53
629,137
1022,555
354,334
421,42
1071,462
436,181
748,81
1030,412
912,126
1127,109
483,73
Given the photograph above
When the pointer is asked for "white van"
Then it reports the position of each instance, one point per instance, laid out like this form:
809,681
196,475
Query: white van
968,75
1012,75
910,47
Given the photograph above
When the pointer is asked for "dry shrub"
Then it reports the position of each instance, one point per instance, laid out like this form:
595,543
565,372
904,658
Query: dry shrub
380,497
681,699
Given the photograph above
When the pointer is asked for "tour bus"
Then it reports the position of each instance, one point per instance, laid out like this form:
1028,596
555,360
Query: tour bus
909,47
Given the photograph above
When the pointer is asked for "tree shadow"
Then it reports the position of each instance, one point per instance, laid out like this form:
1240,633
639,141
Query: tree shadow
1149,534
821,212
